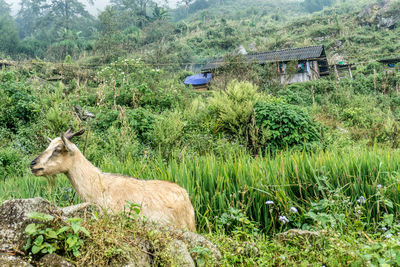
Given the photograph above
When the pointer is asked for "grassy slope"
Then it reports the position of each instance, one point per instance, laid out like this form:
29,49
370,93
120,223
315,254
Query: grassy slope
270,26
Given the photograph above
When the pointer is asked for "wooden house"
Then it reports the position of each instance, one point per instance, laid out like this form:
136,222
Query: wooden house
311,63
390,62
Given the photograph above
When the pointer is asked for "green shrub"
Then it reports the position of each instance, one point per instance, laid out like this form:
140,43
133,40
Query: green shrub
11,162
141,121
233,108
167,132
288,126
17,103
107,118
65,239
58,120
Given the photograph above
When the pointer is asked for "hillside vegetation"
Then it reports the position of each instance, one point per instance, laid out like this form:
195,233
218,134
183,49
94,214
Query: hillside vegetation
192,34
258,158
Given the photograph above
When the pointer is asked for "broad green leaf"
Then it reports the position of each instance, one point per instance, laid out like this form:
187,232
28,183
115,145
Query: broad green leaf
71,241
51,234
86,232
76,226
38,241
63,229
35,249
31,229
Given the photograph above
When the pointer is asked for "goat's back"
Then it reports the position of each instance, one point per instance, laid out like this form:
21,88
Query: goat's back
161,201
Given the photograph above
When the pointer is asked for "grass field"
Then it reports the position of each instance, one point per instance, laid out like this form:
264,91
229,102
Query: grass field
289,179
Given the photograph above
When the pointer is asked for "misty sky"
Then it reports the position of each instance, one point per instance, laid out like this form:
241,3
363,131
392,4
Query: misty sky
99,5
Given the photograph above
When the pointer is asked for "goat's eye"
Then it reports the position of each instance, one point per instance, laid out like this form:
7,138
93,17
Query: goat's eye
57,151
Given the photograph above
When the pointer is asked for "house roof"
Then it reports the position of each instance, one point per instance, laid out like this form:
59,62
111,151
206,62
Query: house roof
198,79
302,53
389,60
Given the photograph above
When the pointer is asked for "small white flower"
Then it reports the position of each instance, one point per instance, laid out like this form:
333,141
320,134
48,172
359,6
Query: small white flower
294,210
361,200
269,202
384,229
283,219
388,236
379,186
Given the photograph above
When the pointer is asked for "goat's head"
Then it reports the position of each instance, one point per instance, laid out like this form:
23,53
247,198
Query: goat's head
58,157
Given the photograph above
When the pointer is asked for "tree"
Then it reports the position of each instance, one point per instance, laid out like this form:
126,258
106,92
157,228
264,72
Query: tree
44,22
159,13
109,34
317,5
132,12
8,33
65,13
4,8
186,3
28,15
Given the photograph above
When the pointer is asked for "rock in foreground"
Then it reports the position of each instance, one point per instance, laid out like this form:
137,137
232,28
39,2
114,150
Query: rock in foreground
176,246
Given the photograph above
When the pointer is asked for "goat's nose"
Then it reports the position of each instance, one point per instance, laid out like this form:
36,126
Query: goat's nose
33,163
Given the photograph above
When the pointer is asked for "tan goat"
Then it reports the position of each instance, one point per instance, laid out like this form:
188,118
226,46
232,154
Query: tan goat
161,201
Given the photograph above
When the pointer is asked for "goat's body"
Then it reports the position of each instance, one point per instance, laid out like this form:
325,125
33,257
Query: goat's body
160,201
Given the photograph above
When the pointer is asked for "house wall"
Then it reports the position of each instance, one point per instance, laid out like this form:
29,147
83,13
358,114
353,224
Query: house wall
311,73
296,78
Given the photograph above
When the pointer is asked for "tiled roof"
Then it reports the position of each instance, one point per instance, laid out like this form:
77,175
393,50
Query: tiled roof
301,53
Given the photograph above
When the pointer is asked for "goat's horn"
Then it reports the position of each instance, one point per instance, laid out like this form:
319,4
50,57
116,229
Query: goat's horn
70,135
68,132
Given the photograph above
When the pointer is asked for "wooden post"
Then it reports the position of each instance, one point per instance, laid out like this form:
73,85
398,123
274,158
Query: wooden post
336,76
115,94
312,93
351,74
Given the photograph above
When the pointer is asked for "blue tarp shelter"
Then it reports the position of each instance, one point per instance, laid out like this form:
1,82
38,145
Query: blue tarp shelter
198,79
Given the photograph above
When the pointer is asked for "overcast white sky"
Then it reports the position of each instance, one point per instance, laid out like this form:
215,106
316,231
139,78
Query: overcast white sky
99,5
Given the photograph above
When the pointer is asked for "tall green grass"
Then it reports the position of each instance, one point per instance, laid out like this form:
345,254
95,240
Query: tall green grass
289,179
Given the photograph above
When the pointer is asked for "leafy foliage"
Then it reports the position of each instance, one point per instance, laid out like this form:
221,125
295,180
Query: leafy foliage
18,105
47,240
234,107
288,125
317,5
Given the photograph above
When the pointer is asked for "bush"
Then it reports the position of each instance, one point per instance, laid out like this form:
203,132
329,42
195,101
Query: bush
17,103
288,126
168,132
106,119
233,108
57,119
11,162
141,121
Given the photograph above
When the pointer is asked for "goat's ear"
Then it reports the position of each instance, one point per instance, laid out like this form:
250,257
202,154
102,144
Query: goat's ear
67,144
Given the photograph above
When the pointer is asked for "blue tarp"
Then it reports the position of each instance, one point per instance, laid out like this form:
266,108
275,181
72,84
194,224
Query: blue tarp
198,79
